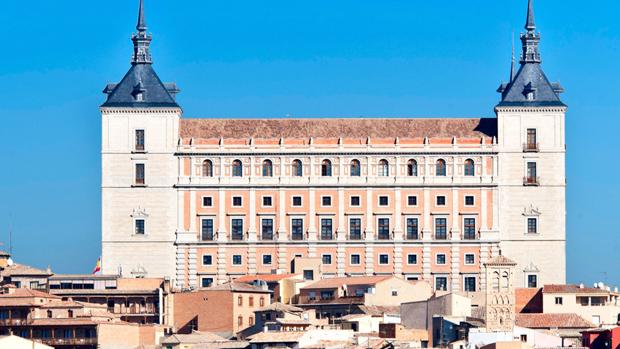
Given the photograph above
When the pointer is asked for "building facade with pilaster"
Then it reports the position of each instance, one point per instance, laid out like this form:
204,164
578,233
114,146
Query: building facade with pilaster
203,201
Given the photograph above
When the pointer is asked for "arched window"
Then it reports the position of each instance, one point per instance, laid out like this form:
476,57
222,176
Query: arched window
237,168
505,281
440,168
470,169
298,168
384,168
326,168
207,168
356,168
412,168
267,168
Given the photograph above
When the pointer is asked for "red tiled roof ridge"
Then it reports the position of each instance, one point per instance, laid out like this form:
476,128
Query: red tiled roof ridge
549,320
570,288
264,277
340,281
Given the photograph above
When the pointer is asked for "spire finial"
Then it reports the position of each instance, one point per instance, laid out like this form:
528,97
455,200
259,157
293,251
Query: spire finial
530,24
141,40
141,20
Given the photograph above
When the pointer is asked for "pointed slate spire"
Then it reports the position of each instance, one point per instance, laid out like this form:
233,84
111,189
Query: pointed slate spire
530,39
513,70
141,40
530,24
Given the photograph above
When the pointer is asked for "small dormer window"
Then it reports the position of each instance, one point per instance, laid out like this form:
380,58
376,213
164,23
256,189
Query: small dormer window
530,96
529,92
139,97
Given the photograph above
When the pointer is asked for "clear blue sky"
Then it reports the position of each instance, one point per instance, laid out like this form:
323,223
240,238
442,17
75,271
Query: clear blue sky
302,58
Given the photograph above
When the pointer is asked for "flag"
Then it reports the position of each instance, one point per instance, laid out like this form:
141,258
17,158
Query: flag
97,267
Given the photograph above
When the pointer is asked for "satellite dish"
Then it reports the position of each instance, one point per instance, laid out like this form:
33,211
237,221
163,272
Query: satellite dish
10,262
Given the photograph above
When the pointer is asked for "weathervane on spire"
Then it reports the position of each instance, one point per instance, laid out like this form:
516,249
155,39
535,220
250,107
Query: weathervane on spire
141,40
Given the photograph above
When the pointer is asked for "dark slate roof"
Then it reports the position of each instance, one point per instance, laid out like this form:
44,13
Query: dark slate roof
141,78
531,77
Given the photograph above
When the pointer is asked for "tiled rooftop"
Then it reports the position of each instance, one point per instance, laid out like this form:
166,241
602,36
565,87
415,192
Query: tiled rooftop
350,281
264,277
572,289
552,321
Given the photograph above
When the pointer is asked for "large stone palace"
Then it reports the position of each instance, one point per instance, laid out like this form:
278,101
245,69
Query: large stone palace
203,201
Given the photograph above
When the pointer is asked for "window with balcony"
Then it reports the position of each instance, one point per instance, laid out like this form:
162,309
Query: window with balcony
326,229
297,229
531,175
139,180
440,168
236,229
412,168
237,168
139,146
412,229
140,226
297,168
206,229
383,229
267,168
441,231
531,143
469,283
469,229
355,229
384,168
356,168
470,168
207,168
267,229
326,168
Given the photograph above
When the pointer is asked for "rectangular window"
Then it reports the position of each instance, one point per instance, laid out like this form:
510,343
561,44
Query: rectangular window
532,225
355,229
355,259
559,300
412,229
206,229
139,140
326,229
412,200
206,282
140,226
441,200
308,275
326,201
327,259
531,139
440,259
297,229
384,259
237,201
469,200
469,229
384,201
383,229
355,201
441,232
470,259
531,172
267,229
532,281
267,259
412,259
207,201
140,174
237,229
207,259
267,201
441,283
327,295
469,283
297,201
236,259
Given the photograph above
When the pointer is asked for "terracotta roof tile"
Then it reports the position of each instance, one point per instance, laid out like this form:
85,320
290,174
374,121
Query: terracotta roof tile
339,282
276,337
572,289
237,287
20,269
336,128
265,277
501,260
552,321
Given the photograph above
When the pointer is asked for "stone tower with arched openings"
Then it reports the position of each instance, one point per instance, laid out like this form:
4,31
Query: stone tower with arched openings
500,294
